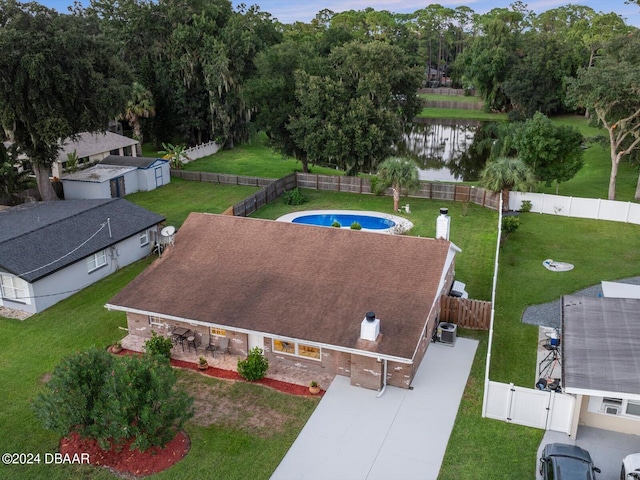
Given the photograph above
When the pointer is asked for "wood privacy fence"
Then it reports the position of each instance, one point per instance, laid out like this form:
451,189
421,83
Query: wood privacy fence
465,312
222,178
272,189
434,191
446,91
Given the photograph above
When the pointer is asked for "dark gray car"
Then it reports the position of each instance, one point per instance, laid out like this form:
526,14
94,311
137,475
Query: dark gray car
566,462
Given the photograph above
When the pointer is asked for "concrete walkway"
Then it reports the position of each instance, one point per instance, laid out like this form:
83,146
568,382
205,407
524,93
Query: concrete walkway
353,435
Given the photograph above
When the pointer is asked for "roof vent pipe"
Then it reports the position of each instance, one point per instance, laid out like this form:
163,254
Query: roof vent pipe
443,224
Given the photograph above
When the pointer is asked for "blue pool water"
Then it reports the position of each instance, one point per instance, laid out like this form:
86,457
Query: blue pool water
345,220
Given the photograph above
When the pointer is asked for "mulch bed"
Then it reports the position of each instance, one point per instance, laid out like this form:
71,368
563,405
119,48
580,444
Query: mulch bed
285,387
128,462
134,463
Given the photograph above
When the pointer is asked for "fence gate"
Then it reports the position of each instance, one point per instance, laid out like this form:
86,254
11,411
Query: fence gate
529,407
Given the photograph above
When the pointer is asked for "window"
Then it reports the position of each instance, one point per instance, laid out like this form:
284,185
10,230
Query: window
309,351
633,408
144,238
297,349
615,406
97,260
155,321
14,289
218,332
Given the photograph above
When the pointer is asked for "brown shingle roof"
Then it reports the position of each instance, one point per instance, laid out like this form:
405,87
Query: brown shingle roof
303,282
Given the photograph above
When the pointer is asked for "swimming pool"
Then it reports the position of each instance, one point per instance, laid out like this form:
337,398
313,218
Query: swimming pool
369,221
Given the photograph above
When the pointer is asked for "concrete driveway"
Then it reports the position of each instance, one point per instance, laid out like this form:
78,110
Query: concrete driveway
353,435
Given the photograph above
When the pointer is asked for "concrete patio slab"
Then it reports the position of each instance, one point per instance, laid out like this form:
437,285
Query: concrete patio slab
354,435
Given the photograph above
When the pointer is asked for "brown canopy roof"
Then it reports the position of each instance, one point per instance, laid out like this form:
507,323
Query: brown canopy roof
303,282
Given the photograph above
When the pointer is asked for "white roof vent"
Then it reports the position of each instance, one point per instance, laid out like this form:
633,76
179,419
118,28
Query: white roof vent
370,327
443,224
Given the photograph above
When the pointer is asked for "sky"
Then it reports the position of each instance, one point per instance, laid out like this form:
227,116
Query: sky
289,11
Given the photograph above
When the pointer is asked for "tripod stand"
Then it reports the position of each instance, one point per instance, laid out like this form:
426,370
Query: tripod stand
548,363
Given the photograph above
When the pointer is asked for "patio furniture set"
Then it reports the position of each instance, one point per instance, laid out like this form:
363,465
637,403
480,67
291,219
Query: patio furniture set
182,335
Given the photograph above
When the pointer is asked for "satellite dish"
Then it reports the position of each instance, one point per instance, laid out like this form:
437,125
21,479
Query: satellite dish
168,231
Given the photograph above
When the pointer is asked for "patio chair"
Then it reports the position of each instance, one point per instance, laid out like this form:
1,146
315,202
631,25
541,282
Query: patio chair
223,346
211,346
192,341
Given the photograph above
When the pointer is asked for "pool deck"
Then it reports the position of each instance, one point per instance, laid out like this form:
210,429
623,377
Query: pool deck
402,224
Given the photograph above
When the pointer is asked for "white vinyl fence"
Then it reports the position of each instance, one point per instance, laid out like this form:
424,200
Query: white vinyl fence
593,208
529,407
202,150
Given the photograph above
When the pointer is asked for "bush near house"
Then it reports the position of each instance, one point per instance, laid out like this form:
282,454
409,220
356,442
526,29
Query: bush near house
255,366
85,396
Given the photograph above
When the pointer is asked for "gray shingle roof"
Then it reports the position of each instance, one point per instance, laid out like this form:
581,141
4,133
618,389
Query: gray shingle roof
600,338
125,161
34,234
87,144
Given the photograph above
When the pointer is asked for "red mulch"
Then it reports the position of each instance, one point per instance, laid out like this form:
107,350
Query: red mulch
155,460
133,462
285,387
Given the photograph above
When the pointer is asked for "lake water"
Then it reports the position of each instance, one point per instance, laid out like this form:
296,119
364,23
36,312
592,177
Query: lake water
447,150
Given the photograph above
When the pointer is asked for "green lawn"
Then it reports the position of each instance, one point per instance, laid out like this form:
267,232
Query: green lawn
253,159
453,98
181,197
459,113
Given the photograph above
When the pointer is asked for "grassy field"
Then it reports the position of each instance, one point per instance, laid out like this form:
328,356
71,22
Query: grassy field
253,159
453,98
459,113
181,197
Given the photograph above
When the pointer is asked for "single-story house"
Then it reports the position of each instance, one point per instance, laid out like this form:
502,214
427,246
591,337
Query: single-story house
601,361
92,147
50,250
117,176
353,303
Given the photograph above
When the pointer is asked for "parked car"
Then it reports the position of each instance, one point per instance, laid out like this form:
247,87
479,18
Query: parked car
566,462
630,467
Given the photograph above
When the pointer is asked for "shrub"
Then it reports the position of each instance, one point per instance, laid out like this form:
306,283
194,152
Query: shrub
255,366
526,206
510,225
356,226
158,345
86,394
293,197
336,224
375,186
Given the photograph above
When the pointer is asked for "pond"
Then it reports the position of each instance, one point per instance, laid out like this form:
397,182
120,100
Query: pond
447,150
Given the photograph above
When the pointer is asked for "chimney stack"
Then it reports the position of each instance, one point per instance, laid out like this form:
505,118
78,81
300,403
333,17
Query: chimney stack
370,327
443,224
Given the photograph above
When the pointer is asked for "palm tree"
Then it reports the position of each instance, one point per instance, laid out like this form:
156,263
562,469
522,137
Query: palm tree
399,174
504,174
139,105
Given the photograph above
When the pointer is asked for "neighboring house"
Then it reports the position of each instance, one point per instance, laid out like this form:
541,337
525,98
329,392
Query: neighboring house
50,250
117,176
601,361
92,148
301,293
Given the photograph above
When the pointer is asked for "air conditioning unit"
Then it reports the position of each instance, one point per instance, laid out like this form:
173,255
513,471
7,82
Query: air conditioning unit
611,406
446,333
611,409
